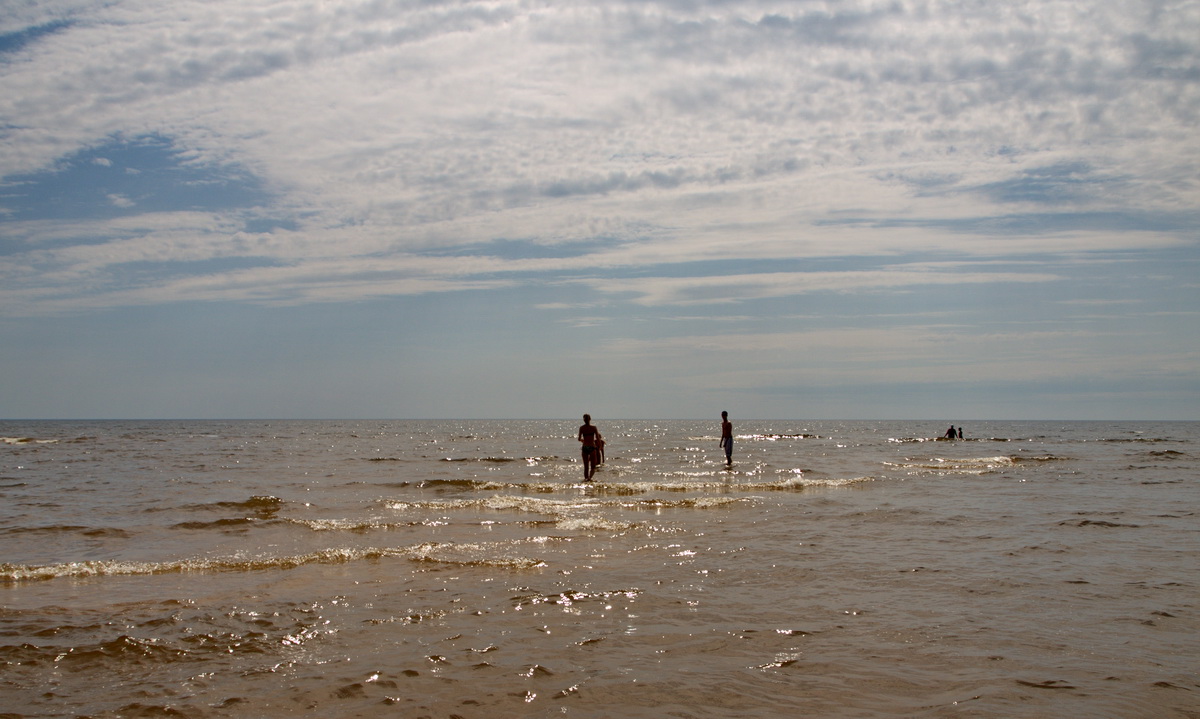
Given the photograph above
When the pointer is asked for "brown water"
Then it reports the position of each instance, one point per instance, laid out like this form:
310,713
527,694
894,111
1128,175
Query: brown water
442,569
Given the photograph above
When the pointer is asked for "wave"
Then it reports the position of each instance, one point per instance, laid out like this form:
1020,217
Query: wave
503,502
447,553
918,440
468,554
355,526
705,481
27,440
802,483
763,437
124,650
154,634
317,525
970,465
567,509
570,597
232,523
258,504
365,526
70,529
1094,523
500,460
594,523
446,484
255,502
793,483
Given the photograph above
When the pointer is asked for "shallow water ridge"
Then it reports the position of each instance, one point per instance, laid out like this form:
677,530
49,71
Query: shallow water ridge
462,569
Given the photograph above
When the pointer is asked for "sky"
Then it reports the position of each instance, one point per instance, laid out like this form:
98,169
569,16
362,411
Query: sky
906,209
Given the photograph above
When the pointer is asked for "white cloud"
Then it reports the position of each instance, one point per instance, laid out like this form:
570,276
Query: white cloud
400,115
740,288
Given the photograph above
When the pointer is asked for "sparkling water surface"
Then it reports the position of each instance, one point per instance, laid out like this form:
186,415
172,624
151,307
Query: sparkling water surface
463,569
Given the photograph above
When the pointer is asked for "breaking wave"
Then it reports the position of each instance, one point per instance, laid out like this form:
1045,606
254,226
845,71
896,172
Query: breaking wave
479,554
969,465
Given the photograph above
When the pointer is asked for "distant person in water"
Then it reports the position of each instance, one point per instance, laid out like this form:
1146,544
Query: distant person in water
960,432
950,433
727,437
599,449
590,437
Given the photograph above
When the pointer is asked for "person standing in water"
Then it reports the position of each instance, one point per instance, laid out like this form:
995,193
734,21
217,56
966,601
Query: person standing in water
590,437
727,437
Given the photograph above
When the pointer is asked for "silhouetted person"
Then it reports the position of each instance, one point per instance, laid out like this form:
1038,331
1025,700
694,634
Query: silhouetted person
727,437
950,433
960,432
589,436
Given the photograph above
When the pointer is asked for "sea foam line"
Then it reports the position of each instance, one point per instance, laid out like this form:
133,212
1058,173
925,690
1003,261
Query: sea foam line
426,552
969,465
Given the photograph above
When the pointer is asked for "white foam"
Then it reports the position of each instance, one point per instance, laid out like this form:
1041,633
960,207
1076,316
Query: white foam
589,523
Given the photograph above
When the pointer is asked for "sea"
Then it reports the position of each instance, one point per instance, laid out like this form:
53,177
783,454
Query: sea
463,569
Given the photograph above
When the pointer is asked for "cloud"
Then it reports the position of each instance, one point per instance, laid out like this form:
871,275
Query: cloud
651,134
748,287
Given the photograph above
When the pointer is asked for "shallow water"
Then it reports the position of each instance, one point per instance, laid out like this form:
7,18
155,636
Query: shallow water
436,568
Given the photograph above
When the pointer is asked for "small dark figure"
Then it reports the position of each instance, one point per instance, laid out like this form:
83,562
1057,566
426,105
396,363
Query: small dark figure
589,436
950,433
727,437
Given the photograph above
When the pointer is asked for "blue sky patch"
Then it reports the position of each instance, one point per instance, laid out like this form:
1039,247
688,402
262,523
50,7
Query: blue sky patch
16,41
128,177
